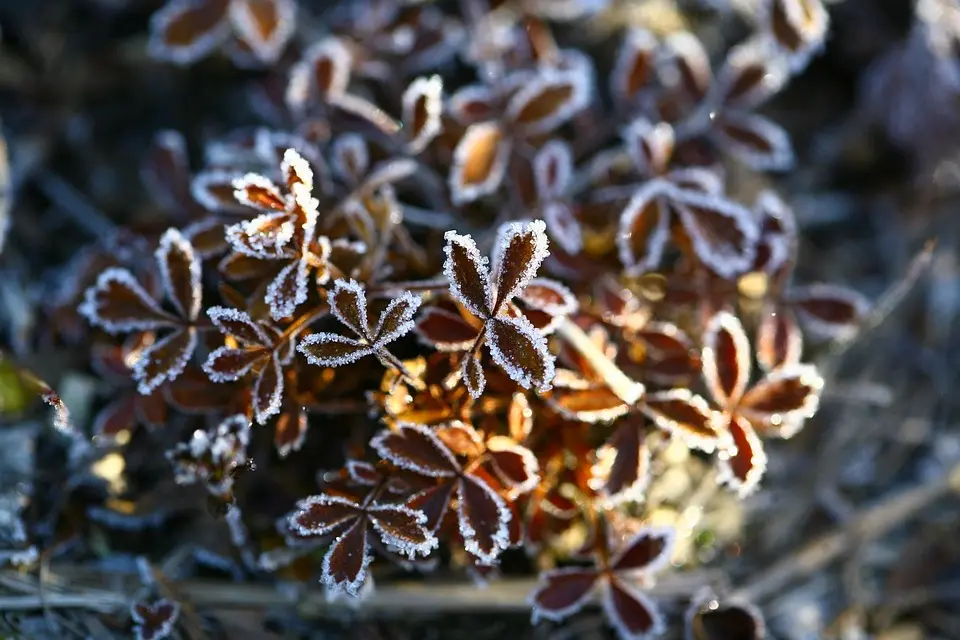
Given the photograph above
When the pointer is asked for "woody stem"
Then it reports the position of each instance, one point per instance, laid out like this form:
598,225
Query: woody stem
305,319
388,289
621,384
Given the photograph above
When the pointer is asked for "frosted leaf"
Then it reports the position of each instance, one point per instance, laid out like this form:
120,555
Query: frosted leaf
213,190
362,473
778,340
472,104
784,399
484,519
259,192
622,469
268,391
795,28
467,272
321,514
686,416
644,229
561,593
288,290
445,330
563,226
471,371
689,65
726,358
829,311
646,552
521,351
323,73
552,169
748,78
723,233
350,158
422,108
479,162
164,360
180,270
332,350
699,179
416,448
649,145
755,140
348,302
515,466
549,100
397,319
586,403
289,431
117,303
226,364
634,67
550,297
778,233
239,325
296,170
183,31
345,564
155,620
630,611
265,27
403,529
517,256
742,464
723,618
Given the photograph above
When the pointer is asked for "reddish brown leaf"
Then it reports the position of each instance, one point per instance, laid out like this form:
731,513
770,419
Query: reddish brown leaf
418,449
684,415
726,358
264,26
117,303
422,110
648,551
829,311
742,465
483,518
344,566
515,466
631,612
628,475
778,341
521,351
164,360
713,620
520,250
723,234
445,330
467,272
783,399
644,229
479,162
549,100
186,30
561,593
155,620
634,67
760,143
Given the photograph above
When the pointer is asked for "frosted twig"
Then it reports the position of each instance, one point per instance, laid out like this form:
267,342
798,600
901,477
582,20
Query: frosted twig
622,385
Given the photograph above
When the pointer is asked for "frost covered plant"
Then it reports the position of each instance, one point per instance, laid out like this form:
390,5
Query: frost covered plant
462,275
253,32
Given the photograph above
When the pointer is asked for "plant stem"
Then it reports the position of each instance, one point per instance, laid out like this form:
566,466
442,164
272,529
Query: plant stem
621,384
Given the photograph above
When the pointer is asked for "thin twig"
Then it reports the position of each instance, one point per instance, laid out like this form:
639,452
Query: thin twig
620,383
869,525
